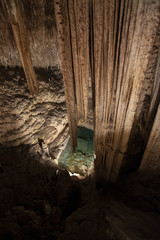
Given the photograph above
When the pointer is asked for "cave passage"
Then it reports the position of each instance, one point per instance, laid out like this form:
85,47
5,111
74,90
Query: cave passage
82,159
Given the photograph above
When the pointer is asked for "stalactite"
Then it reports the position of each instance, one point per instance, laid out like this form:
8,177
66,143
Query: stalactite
62,18
21,40
120,63
79,30
73,36
39,20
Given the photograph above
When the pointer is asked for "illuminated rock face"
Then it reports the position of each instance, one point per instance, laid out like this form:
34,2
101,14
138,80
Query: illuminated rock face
24,119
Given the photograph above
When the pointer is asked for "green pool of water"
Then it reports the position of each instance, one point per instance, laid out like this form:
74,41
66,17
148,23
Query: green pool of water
83,157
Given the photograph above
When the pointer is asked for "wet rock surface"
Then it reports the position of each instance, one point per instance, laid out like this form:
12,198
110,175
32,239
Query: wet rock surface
38,201
81,161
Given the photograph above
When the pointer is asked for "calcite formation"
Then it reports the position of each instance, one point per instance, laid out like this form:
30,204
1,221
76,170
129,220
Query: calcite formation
21,40
73,35
123,60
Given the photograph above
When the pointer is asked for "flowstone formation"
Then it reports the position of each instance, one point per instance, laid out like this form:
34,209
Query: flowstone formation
113,44
82,159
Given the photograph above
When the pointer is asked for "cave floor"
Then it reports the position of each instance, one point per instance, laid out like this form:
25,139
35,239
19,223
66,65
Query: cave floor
38,202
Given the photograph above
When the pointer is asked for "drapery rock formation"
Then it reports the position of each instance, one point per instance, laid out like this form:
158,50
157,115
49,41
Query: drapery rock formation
124,70
73,33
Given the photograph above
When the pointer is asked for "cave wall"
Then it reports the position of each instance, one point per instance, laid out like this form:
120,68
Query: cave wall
23,118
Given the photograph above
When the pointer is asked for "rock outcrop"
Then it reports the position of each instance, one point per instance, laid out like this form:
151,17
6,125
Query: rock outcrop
25,119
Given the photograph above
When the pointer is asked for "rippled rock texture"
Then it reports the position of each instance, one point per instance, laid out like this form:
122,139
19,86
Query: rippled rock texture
25,119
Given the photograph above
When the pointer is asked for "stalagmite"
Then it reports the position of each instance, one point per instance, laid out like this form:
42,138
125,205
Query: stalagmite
21,40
